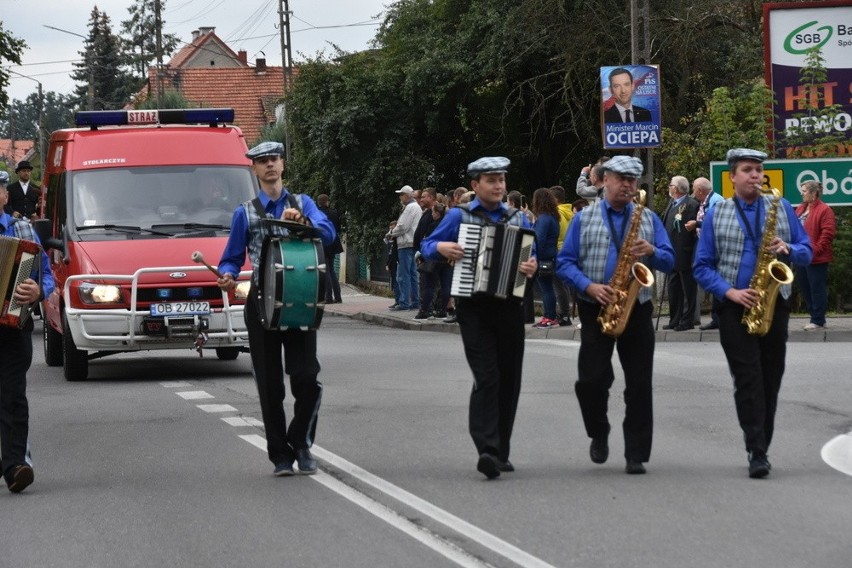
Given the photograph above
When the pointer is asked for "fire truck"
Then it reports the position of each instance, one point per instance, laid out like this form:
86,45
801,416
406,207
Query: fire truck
129,197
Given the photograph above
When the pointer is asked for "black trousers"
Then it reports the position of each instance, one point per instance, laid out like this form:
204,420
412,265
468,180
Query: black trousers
332,284
300,362
683,291
757,366
16,354
492,331
595,377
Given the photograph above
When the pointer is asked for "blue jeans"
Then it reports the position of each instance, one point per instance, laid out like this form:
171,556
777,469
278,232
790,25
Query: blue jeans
406,276
813,282
548,295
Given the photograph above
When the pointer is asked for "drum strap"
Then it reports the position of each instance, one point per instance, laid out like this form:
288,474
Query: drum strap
261,212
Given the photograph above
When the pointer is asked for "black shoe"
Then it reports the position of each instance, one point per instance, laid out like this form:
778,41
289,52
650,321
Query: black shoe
684,327
707,326
758,465
306,461
20,478
670,326
489,466
599,450
634,467
451,317
506,466
564,321
421,315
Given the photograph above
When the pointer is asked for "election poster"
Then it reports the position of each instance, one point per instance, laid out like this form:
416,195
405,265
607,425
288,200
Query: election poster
630,106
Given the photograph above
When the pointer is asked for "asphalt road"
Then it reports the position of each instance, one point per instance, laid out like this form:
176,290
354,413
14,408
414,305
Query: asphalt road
138,466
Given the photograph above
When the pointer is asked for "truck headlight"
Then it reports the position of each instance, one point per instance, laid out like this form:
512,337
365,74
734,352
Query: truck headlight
100,293
241,292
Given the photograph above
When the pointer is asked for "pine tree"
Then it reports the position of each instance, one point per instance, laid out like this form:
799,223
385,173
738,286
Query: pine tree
102,69
138,35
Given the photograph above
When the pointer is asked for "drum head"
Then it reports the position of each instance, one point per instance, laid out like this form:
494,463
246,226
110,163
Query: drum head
271,283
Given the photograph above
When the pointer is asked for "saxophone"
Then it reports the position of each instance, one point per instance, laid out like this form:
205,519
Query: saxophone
625,281
769,275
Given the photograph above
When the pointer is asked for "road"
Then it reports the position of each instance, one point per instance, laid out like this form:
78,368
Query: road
156,461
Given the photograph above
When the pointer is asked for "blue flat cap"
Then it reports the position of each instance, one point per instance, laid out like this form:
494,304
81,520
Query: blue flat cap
627,166
493,165
265,149
4,178
736,154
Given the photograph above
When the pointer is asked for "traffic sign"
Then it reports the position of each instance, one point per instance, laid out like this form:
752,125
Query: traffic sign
835,175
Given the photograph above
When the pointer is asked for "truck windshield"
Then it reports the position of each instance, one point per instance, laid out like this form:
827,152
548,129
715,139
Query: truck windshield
179,196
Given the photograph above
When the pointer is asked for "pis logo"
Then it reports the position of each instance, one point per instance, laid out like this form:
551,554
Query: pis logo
802,38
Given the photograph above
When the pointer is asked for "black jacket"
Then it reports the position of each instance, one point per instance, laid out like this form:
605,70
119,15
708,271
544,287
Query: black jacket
27,204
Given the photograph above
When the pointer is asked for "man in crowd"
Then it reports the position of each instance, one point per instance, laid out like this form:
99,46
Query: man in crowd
406,269
682,288
492,329
728,254
702,191
587,261
23,194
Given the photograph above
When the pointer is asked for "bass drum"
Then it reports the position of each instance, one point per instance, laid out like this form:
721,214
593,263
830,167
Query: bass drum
291,283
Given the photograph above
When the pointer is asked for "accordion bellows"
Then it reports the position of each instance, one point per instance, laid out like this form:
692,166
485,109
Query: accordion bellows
17,260
492,254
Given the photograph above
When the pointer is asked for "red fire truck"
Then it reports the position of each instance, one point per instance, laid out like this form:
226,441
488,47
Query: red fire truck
128,197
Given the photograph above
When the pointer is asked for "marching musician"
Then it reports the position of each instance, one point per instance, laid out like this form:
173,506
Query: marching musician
726,258
492,329
16,352
284,444
587,261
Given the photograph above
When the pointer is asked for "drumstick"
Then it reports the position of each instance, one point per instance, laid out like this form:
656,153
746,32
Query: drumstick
199,258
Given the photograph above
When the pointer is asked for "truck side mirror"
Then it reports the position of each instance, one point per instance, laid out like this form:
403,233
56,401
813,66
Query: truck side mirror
42,228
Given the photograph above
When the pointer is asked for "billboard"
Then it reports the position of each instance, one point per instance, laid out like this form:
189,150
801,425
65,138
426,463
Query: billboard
835,175
790,31
630,106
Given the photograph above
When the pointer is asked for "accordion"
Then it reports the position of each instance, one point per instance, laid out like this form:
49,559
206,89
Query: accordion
18,258
492,254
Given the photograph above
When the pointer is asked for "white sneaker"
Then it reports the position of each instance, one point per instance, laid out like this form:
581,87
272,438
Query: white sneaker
813,326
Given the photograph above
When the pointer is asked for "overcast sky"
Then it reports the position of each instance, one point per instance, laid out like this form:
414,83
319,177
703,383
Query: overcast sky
243,24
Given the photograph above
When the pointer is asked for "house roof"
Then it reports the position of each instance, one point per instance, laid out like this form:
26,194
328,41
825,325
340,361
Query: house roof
22,148
251,93
201,43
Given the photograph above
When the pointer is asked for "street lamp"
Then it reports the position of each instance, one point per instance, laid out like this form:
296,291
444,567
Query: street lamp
90,95
40,116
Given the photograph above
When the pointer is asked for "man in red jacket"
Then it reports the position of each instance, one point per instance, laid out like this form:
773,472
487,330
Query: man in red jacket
818,221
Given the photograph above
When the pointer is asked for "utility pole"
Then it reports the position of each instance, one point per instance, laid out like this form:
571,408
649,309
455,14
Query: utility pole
158,24
640,54
41,155
286,67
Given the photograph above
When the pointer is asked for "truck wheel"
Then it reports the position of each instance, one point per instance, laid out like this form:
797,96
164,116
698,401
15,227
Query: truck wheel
76,362
52,345
227,353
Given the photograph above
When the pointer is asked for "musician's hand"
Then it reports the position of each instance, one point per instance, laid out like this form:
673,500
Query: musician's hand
450,250
602,293
226,282
294,215
690,225
777,246
642,248
528,267
745,297
27,292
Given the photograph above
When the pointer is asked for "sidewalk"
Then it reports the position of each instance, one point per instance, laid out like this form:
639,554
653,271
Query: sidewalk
374,309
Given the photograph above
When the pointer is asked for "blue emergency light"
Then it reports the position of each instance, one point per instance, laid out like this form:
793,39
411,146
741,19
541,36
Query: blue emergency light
211,116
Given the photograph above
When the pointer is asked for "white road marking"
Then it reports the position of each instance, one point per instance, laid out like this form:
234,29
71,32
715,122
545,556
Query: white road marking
194,395
838,453
216,407
420,534
175,384
242,421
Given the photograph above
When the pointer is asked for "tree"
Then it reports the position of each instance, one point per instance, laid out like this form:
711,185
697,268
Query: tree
104,82
26,114
11,49
138,36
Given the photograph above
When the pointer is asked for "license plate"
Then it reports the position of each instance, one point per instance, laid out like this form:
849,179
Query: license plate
181,309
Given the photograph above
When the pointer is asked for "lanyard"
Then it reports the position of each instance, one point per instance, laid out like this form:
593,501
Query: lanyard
615,236
752,233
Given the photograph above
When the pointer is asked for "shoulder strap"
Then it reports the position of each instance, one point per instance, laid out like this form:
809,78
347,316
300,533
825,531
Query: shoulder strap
258,206
291,200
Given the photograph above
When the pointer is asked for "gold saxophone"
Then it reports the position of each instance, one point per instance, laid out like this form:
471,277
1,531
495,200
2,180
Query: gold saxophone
625,281
769,275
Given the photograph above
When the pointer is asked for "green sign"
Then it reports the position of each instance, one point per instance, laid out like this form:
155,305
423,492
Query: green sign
835,175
